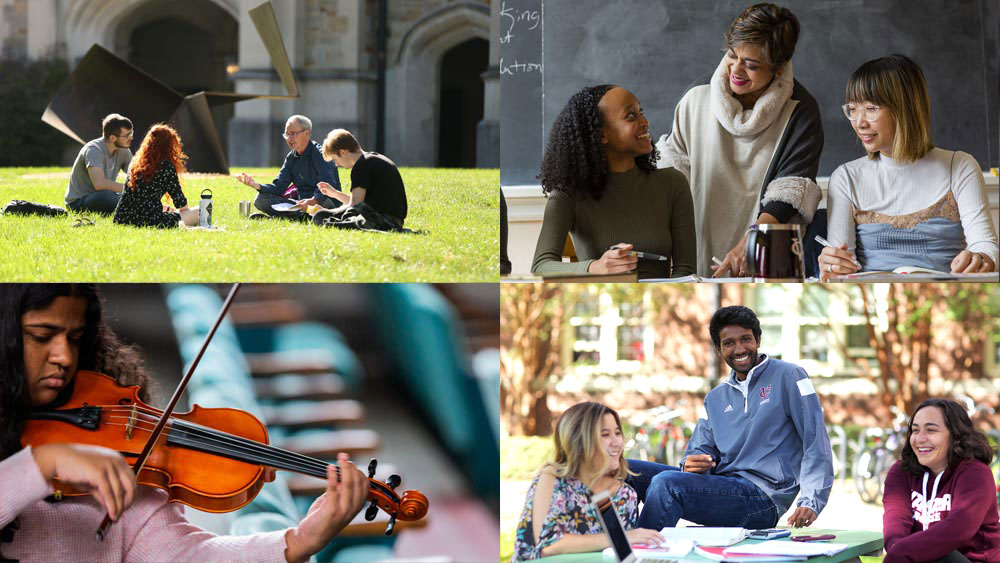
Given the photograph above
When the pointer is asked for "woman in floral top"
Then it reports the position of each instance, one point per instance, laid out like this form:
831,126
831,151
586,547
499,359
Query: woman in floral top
153,173
590,458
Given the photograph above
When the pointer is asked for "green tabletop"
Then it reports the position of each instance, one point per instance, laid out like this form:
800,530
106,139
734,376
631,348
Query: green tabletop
859,542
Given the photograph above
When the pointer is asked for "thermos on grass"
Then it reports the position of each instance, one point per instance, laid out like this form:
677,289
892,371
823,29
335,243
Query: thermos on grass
205,210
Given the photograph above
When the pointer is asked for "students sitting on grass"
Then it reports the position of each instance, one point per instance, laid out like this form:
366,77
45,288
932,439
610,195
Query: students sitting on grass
940,498
377,191
589,458
159,160
304,168
92,185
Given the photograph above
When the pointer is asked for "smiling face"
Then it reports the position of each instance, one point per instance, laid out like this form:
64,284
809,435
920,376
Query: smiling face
930,438
626,131
748,70
877,135
738,348
51,339
612,443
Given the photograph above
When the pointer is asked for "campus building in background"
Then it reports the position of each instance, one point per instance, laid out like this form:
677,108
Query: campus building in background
434,101
654,340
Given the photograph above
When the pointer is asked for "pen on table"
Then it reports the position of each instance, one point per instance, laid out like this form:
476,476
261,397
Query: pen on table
644,255
825,242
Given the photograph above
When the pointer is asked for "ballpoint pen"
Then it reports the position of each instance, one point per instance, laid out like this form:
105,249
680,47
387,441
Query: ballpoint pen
644,255
825,242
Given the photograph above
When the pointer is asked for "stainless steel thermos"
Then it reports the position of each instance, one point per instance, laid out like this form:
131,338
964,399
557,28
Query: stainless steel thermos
205,210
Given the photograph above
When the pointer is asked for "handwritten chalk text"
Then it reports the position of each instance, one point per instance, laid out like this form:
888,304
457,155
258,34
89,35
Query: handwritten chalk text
513,17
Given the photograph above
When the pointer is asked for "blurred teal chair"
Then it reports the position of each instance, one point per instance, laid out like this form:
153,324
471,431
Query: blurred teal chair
423,337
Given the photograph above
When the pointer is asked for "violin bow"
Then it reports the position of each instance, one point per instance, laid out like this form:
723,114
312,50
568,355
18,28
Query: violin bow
161,424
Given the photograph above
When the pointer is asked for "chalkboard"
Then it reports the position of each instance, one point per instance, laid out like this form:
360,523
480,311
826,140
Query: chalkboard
549,49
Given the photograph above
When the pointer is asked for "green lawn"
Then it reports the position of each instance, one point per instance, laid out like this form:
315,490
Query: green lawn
457,210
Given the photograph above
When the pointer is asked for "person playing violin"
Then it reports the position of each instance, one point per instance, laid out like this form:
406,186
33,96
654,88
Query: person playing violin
47,333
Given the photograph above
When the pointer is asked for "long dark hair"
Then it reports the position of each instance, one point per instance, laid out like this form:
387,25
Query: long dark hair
966,441
575,161
100,350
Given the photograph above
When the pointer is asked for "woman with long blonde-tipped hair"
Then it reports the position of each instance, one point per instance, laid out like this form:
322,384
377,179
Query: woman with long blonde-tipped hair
153,173
589,458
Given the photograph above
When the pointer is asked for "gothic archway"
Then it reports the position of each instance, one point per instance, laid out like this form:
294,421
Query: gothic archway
461,102
415,82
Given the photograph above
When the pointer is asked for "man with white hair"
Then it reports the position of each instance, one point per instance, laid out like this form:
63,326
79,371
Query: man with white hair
303,169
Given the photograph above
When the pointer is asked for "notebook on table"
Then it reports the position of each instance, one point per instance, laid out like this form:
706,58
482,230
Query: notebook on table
620,546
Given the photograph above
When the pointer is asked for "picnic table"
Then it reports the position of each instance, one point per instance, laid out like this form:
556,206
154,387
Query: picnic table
860,542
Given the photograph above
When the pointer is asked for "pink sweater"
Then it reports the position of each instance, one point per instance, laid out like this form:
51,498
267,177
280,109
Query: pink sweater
149,530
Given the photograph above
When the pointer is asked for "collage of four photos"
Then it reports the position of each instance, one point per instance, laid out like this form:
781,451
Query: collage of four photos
737,299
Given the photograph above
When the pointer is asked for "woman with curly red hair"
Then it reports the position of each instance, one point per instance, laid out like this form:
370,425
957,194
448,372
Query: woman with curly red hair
153,173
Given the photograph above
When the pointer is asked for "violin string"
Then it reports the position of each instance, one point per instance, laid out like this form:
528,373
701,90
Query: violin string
239,445
218,442
224,438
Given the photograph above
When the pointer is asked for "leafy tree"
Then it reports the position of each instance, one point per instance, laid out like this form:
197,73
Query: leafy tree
530,323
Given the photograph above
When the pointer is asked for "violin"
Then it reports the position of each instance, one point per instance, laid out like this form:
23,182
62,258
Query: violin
211,459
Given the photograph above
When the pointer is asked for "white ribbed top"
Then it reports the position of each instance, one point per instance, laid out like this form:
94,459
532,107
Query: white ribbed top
888,187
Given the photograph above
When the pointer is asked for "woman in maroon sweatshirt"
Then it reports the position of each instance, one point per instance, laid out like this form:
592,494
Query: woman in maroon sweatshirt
940,498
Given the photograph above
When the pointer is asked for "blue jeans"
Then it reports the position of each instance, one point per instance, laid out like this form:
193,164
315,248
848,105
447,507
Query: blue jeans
669,494
101,201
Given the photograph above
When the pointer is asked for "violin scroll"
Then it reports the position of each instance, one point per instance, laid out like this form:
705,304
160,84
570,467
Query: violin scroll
411,506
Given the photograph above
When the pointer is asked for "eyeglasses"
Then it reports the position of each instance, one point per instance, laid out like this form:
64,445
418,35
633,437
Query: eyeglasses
292,134
854,113
129,136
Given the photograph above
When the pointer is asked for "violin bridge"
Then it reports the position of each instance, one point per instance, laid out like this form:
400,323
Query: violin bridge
131,423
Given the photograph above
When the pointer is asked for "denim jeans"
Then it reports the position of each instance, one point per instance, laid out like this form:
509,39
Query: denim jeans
101,201
669,494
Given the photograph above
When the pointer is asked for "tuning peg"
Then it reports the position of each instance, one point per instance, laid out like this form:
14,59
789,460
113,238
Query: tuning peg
372,512
393,481
371,468
391,525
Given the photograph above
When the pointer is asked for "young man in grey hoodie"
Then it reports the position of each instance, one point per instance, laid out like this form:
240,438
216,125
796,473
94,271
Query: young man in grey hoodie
762,443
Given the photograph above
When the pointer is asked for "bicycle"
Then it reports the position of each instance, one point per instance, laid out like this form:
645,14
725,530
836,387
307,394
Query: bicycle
872,463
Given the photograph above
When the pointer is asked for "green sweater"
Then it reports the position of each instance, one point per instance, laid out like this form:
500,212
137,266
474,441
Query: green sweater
653,212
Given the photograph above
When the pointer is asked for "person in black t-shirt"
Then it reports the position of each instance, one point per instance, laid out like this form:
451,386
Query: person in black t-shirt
375,180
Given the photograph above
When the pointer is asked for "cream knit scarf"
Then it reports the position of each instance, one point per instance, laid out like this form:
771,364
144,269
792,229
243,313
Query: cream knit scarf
743,123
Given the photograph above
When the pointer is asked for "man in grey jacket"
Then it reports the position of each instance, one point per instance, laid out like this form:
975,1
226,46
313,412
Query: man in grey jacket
762,443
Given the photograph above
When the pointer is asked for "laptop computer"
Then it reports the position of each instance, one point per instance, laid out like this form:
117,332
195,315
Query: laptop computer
615,531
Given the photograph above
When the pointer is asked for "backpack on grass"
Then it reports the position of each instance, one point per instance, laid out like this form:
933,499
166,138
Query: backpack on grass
21,207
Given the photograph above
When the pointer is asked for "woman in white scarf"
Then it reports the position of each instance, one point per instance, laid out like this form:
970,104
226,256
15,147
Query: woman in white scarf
748,140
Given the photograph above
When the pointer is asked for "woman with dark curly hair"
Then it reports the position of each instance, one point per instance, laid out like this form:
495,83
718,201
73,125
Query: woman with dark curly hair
940,498
599,171
47,333
153,173
748,138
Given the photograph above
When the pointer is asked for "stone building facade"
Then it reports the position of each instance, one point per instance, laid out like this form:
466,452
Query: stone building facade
441,85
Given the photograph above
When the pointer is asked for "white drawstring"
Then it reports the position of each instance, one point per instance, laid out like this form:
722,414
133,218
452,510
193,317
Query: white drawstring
927,501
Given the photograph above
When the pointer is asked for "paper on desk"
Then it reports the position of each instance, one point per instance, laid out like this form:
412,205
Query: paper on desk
705,536
669,548
284,206
780,547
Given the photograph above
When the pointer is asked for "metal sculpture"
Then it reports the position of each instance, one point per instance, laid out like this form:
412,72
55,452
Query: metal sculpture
84,99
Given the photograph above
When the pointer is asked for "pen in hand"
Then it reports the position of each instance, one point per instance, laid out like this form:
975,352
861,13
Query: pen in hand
827,243
643,255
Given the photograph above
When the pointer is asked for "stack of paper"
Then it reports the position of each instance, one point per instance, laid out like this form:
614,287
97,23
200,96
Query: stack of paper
792,548
706,536
670,548
723,554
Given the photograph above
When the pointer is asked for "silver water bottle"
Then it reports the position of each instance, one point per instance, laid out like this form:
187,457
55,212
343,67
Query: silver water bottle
205,210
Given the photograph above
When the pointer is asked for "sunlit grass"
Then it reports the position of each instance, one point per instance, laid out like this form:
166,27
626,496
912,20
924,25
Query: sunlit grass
457,212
